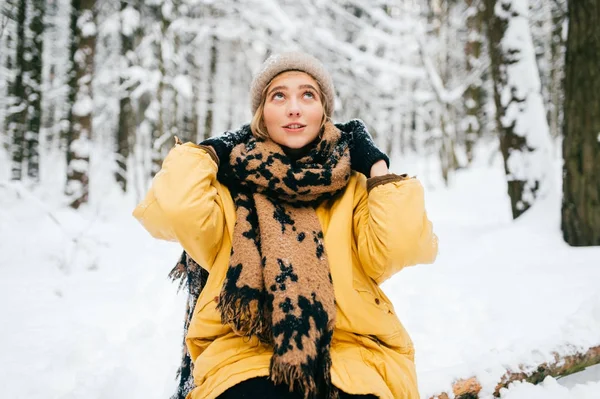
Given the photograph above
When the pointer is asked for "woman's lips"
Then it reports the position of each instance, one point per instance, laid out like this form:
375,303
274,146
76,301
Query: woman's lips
288,130
294,130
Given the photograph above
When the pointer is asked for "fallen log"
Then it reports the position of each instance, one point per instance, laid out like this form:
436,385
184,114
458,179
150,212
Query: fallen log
562,366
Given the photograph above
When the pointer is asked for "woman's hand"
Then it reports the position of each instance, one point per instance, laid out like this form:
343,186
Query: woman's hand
224,143
379,168
364,154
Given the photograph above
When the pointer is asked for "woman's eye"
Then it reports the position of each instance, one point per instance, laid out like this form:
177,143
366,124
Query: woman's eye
277,96
309,94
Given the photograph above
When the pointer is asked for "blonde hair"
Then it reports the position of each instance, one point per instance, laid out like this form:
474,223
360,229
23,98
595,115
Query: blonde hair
259,130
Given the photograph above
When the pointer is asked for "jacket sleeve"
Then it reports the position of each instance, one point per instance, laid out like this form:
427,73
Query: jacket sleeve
184,204
391,227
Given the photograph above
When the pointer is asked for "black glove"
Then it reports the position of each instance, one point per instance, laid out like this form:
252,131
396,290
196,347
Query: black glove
224,143
363,151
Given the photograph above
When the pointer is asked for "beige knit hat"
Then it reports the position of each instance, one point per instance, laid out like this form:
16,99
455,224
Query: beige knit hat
292,61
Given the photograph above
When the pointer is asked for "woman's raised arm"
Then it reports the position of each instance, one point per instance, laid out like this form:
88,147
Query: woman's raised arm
391,227
186,203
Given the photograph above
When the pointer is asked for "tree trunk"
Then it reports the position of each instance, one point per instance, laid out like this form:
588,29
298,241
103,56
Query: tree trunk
474,95
159,130
55,97
444,118
210,103
557,70
17,110
581,146
126,127
83,30
520,116
34,87
7,57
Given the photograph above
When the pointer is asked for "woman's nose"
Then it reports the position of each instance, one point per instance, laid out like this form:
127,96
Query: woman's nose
293,109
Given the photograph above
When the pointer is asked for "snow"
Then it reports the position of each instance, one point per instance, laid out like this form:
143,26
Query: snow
78,165
86,23
589,374
280,21
550,389
75,187
81,147
130,20
502,293
88,311
183,86
83,106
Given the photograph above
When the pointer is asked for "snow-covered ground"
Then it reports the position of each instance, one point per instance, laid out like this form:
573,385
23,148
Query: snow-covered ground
87,309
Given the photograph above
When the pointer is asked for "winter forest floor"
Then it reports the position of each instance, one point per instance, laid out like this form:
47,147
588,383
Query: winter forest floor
87,309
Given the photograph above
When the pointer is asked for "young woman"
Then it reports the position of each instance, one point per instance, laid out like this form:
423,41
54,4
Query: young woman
298,221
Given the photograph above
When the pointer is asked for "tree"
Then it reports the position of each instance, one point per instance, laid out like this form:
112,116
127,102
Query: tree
162,15
557,64
55,78
474,96
547,22
33,85
24,67
7,60
211,89
520,116
443,112
126,129
17,104
581,146
83,44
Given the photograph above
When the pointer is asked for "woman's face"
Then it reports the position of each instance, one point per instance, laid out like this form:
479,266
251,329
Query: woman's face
293,110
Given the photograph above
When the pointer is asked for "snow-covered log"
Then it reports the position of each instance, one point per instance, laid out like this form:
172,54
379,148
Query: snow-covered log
562,366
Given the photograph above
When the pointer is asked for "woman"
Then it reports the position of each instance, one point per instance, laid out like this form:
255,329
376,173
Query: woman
296,241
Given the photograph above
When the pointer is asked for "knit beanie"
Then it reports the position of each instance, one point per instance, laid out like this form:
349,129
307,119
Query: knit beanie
292,61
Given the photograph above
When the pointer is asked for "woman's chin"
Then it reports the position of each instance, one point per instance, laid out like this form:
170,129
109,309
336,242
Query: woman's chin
295,143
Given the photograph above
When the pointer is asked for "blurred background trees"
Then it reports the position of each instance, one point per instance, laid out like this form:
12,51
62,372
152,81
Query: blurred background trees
92,92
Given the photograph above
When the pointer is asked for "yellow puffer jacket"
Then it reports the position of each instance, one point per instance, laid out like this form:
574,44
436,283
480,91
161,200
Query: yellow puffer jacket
369,236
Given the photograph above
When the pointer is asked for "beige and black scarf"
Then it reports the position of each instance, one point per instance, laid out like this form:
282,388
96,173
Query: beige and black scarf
278,286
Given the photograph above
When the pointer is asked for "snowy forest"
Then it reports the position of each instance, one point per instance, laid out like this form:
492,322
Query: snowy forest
119,79
494,104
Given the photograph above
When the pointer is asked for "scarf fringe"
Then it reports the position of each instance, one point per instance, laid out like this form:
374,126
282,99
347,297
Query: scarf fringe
294,377
180,272
245,316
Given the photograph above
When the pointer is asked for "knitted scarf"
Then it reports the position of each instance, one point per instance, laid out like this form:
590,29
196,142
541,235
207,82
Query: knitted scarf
278,286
